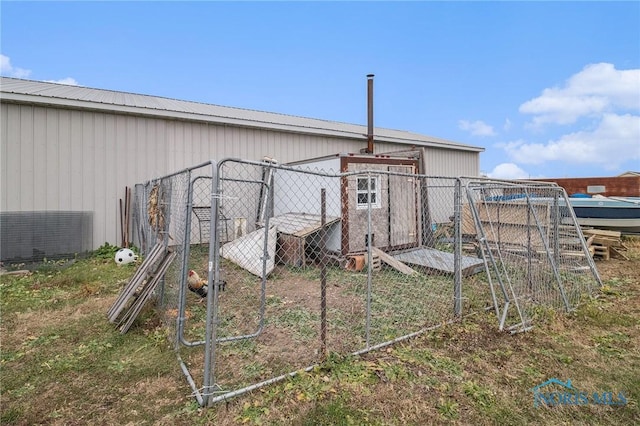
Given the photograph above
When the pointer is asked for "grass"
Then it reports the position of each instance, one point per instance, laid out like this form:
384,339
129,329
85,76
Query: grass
59,350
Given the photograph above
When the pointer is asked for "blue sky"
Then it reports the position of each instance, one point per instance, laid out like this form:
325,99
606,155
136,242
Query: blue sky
548,89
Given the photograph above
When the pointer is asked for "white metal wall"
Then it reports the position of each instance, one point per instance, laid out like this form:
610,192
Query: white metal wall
72,160
450,163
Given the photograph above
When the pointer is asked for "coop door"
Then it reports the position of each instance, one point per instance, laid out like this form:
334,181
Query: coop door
403,218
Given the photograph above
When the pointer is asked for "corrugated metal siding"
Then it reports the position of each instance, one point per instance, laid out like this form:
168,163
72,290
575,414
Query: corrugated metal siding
449,162
76,160
76,97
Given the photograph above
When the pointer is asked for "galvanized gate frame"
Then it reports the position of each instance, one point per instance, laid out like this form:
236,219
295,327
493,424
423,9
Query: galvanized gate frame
210,388
504,280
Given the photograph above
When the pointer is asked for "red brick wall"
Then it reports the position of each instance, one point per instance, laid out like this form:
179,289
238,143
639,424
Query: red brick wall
628,186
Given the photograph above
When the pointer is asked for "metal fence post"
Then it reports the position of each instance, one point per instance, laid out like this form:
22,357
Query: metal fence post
323,273
369,258
457,248
212,296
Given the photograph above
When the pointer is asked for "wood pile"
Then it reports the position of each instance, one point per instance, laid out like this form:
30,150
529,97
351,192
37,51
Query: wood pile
604,244
376,262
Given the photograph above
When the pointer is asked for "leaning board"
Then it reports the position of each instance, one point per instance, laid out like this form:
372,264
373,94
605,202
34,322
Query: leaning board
439,260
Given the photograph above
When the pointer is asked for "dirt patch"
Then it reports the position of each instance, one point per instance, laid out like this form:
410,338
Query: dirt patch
305,292
617,269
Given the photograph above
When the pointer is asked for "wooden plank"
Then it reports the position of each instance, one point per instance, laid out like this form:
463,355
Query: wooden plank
602,251
468,224
291,250
617,252
403,221
573,254
394,263
18,272
376,263
564,253
602,233
607,241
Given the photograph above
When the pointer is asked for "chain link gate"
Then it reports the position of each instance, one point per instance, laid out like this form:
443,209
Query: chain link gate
534,251
302,261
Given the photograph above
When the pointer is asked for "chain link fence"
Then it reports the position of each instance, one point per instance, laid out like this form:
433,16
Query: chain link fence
536,254
301,261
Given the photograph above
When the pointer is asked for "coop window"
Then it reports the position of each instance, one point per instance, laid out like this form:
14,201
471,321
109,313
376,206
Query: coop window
362,192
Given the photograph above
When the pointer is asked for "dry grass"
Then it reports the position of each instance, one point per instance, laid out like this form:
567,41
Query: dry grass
62,363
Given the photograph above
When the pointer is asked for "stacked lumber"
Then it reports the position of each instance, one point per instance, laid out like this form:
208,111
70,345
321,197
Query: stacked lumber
376,263
605,244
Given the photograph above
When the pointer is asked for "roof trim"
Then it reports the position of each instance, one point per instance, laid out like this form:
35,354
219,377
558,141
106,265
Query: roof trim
63,96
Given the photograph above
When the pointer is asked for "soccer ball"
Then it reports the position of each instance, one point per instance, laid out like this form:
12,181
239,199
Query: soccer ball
125,256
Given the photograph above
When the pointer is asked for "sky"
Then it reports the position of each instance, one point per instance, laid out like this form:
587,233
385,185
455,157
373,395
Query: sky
548,89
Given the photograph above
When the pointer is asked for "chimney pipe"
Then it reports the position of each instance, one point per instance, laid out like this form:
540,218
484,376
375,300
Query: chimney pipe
369,114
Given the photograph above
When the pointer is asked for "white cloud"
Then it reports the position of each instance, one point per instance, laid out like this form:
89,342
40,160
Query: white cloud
476,128
594,91
70,81
508,171
7,69
615,140
507,125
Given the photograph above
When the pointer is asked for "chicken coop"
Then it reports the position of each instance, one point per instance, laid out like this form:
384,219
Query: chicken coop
392,200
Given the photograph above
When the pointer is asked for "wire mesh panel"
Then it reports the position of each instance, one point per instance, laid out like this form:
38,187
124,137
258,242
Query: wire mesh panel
284,241
332,262
277,266
162,215
535,250
413,278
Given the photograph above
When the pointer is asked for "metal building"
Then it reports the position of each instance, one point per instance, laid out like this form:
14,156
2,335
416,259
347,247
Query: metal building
68,152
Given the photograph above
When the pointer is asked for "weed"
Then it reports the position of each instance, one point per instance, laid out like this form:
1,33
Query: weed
611,344
480,395
336,412
594,313
300,320
350,369
105,251
558,356
395,372
10,415
532,373
447,366
254,369
448,409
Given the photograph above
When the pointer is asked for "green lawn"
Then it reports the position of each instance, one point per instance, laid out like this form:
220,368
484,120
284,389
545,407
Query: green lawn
63,363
